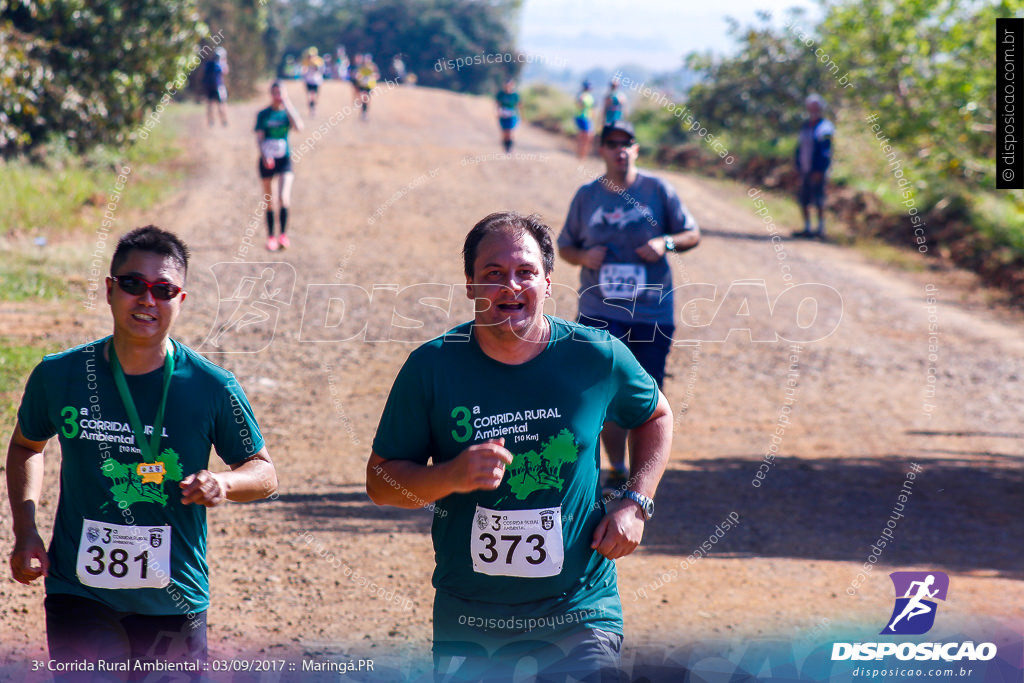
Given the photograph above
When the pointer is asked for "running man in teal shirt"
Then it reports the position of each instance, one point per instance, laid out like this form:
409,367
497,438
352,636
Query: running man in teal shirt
136,414
496,424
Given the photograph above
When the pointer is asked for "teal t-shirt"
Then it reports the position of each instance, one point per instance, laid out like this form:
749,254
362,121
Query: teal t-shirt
495,553
613,105
129,503
507,104
275,125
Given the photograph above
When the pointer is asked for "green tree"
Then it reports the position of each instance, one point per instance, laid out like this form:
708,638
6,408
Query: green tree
89,71
426,32
757,95
244,26
926,68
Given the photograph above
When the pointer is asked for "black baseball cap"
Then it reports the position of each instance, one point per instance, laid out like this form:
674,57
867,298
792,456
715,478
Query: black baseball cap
621,126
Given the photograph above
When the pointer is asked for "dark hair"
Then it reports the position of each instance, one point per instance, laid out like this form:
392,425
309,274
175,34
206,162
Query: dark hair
510,223
153,240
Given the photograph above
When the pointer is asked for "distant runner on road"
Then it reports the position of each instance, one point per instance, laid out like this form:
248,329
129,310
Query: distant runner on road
367,75
614,103
136,414
313,75
496,424
214,71
584,120
272,126
509,110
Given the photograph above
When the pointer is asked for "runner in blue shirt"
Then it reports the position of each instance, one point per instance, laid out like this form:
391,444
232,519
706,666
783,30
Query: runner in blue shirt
214,71
812,158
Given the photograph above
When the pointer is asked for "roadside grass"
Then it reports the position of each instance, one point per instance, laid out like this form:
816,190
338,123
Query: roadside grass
52,208
16,361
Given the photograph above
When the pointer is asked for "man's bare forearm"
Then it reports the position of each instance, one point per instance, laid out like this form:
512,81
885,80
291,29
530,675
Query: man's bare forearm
24,485
254,479
387,479
649,448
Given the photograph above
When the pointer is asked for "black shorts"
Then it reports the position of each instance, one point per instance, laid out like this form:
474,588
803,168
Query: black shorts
216,93
281,165
78,628
312,87
812,192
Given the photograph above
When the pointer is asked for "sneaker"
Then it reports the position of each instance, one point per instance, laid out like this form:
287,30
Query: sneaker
284,242
272,243
803,233
615,479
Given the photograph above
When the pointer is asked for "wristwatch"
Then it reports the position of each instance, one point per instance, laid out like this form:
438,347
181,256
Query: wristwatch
646,504
670,244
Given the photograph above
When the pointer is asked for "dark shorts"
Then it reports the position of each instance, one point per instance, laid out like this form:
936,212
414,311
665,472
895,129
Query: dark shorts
508,122
78,628
589,655
217,94
281,165
584,124
812,192
312,87
649,342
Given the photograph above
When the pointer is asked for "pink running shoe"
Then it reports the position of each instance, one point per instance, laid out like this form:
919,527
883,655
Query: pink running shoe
272,243
284,242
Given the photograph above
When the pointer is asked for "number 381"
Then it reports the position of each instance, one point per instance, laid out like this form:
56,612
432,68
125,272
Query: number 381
118,564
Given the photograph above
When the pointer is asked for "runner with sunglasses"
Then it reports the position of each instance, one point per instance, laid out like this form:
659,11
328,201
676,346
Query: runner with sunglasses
620,228
136,413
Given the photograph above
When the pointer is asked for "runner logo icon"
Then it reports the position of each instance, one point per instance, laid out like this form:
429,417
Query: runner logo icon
916,592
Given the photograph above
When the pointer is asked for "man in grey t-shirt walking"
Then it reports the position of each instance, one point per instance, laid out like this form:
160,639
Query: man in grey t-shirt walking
619,229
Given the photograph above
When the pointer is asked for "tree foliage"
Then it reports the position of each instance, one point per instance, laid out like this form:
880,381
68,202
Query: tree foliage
89,71
758,94
427,33
926,68
247,37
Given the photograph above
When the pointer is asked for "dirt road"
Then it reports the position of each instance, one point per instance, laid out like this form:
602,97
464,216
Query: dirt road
379,212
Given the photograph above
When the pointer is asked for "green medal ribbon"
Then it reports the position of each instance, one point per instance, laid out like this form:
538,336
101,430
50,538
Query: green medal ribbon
150,448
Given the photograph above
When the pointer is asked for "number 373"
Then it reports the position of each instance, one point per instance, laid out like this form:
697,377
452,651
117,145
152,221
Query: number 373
535,554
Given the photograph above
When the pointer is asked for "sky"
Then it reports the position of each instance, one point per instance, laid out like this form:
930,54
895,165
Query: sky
580,34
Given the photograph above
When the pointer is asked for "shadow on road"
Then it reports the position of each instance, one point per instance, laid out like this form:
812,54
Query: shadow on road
958,516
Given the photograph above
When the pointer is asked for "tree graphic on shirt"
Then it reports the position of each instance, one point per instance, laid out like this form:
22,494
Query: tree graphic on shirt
129,486
536,471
